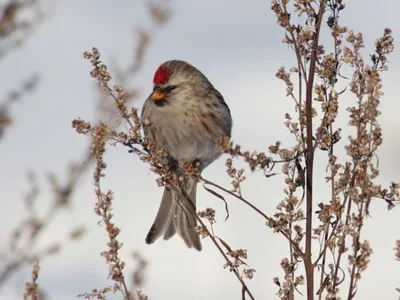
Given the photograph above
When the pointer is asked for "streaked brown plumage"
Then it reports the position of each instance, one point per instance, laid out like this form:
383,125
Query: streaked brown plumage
185,115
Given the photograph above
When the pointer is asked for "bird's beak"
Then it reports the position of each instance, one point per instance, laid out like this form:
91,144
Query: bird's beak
158,95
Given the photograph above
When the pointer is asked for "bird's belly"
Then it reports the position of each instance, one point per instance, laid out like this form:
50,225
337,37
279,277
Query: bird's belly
190,145
185,142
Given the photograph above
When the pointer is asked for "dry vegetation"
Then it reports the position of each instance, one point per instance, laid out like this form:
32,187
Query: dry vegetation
326,254
22,248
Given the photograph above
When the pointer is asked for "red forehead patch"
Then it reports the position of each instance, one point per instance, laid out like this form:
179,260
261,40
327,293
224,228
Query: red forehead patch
161,75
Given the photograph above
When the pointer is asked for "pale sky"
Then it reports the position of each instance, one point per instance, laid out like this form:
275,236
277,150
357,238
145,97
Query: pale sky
237,46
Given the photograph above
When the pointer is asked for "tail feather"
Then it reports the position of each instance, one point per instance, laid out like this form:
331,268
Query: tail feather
176,215
193,235
181,223
170,232
163,217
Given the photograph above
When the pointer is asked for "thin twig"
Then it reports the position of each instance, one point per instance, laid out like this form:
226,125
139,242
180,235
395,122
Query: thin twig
298,250
213,239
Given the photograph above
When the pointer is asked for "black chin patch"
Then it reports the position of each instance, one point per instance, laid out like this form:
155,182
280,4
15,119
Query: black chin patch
160,103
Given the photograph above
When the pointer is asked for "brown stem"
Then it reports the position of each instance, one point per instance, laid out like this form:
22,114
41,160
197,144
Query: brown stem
292,287
322,277
327,230
300,105
347,220
361,209
342,246
289,28
107,220
310,157
357,244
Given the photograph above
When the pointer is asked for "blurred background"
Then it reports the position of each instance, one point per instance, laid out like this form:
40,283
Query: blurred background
47,197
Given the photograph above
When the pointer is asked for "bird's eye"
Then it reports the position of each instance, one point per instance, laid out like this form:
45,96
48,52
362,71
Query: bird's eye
171,87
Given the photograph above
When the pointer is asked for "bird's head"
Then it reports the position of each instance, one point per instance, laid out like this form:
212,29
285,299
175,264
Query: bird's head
175,81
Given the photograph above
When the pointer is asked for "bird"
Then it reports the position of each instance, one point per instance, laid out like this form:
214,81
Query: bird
184,115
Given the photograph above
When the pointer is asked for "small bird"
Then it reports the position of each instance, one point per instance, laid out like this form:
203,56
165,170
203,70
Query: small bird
185,115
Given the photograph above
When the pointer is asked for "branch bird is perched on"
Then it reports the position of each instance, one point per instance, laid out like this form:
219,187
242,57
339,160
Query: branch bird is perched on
185,115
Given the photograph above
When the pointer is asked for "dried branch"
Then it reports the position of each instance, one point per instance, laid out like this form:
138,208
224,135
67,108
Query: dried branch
31,288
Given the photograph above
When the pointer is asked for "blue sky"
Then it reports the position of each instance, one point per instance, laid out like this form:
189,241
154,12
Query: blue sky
237,45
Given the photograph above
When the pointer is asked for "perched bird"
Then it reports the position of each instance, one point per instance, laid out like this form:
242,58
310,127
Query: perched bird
184,115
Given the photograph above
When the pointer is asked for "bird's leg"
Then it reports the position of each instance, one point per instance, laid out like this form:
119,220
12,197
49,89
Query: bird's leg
172,164
196,164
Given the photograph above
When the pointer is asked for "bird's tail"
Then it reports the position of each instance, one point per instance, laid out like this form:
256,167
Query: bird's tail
177,215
